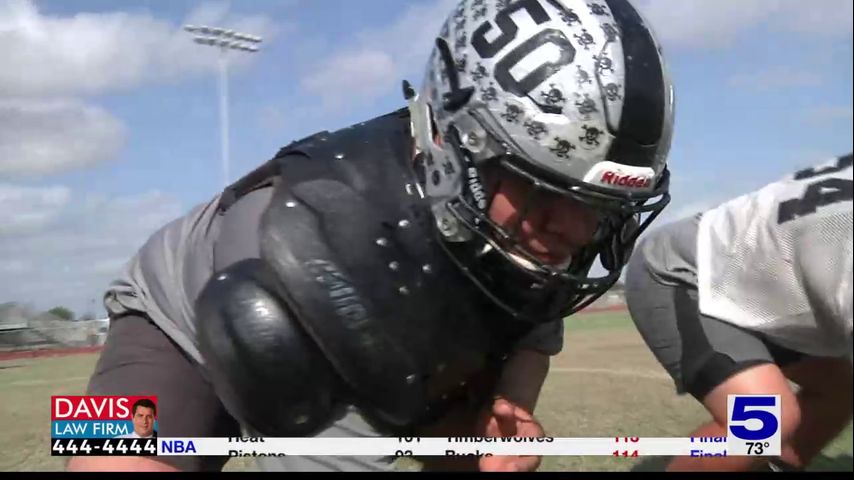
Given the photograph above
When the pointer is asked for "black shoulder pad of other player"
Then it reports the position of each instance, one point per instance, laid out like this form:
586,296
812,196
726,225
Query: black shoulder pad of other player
266,370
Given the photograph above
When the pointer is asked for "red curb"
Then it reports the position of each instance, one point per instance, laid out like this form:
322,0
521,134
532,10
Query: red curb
612,308
52,352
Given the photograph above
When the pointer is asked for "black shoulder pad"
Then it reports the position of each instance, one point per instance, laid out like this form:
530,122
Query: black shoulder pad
268,373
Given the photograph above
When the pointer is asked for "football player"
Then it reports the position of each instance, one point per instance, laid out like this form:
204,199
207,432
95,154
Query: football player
750,296
383,278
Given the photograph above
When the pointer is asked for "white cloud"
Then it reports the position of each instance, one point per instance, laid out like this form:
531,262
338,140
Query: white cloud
92,53
51,61
27,209
272,118
825,114
359,75
51,136
682,24
379,59
77,243
774,78
12,266
818,17
109,265
686,24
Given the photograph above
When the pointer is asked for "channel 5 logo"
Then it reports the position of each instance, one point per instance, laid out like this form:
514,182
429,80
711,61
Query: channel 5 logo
753,425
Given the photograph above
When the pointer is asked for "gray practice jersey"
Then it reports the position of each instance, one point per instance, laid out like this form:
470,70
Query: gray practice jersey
778,260
164,278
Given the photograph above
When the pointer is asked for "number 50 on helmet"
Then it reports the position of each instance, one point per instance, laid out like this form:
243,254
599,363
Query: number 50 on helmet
571,95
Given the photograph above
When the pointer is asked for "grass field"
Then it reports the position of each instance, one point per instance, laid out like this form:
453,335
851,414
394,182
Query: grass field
604,384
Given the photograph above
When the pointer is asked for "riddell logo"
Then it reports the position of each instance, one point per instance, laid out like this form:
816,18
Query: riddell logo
476,188
632,181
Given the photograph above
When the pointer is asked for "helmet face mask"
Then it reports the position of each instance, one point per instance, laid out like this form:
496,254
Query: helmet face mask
620,223
465,127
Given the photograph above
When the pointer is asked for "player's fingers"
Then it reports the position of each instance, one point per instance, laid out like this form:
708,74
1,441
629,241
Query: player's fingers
529,429
520,464
526,463
489,464
502,463
504,416
522,414
503,409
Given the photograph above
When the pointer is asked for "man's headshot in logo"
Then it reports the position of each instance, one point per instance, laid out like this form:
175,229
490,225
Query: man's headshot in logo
143,414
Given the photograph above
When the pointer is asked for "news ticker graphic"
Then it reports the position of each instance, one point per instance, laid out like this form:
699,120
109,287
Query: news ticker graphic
103,425
753,430
444,446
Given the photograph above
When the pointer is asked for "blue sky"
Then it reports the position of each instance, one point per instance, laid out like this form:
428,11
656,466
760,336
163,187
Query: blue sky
111,122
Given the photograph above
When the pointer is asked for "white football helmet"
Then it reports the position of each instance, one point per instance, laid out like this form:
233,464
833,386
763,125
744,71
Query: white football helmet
572,95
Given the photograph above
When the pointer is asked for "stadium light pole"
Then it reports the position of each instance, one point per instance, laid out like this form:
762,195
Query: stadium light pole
225,40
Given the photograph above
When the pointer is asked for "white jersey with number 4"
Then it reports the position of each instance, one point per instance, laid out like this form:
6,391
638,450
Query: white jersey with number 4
778,260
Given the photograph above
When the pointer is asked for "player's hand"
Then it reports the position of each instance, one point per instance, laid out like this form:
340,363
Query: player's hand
506,419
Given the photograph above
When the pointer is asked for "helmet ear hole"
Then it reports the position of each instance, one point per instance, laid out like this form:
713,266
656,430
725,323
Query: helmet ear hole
630,230
617,250
608,256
